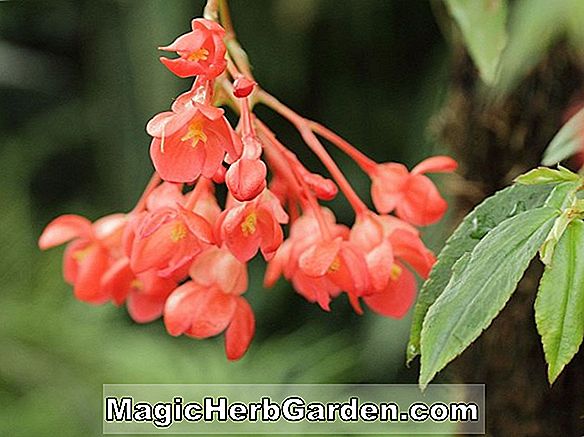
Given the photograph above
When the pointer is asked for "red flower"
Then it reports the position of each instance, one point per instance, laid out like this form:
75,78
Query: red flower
201,51
191,140
246,177
250,226
144,294
319,268
168,239
90,253
414,196
389,243
211,303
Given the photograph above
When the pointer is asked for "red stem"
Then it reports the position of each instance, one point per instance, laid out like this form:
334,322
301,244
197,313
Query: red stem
153,183
362,160
303,126
294,177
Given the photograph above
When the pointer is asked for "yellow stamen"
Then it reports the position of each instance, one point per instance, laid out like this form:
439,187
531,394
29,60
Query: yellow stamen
396,272
80,255
248,227
195,133
178,232
199,55
335,266
137,285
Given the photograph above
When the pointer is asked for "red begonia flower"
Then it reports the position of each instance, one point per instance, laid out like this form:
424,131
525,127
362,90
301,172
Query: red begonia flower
397,297
168,239
211,303
144,293
191,140
90,253
388,243
248,227
201,51
320,268
413,196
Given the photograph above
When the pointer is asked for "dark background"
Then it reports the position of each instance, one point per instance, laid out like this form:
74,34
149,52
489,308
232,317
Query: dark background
78,82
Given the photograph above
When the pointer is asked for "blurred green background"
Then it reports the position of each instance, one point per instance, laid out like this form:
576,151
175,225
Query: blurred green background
78,82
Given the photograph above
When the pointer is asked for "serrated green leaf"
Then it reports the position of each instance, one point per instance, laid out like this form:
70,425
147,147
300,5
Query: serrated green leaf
474,297
562,195
482,23
492,211
559,306
567,141
546,252
545,175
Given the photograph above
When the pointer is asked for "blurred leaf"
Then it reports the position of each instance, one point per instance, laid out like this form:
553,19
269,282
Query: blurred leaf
559,306
574,20
533,26
482,23
486,216
567,142
479,291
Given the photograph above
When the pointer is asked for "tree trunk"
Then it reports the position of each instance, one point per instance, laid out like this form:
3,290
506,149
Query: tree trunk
494,143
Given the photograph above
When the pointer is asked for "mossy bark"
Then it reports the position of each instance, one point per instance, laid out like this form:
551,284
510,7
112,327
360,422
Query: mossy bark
494,142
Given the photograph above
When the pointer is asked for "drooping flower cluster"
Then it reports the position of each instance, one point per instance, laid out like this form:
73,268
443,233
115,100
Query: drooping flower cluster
182,254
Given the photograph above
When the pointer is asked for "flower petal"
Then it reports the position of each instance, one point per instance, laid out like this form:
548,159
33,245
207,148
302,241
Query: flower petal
117,280
63,229
317,260
397,298
409,247
91,268
213,315
240,331
436,164
387,184
422,204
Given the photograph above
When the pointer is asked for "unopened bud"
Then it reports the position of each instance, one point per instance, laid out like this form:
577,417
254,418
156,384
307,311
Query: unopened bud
242,87
246,178
219,176
324,188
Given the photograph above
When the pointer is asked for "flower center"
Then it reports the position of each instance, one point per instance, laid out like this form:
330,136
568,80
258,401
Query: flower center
137,285
396,272
178,232
199,55
335,265
80,255
248,227
195,133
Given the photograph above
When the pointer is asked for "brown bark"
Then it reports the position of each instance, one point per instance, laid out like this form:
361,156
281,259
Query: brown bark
494,143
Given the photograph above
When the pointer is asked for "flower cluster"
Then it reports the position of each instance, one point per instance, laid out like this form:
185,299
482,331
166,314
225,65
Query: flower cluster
182,254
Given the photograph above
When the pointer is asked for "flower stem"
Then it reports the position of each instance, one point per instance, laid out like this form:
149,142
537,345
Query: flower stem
233,47
152,183
291,173
304,128
362,160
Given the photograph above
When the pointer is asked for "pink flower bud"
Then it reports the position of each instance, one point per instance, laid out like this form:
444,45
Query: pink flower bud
324,188
246,178
243,87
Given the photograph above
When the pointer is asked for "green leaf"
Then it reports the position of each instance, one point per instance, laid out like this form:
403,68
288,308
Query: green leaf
546,252
545,175
475,295
567,141
559,306
534,26
504,204
563,195
482,23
